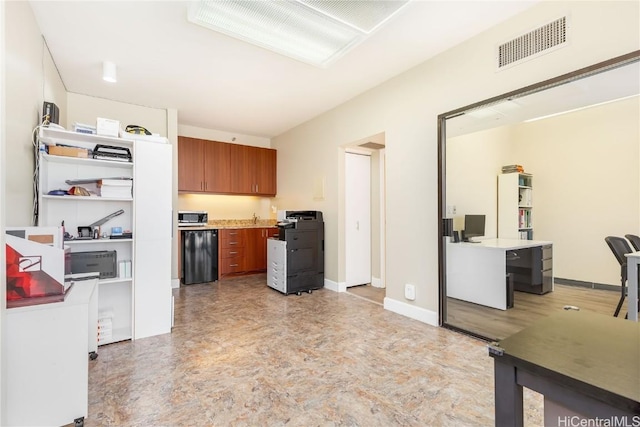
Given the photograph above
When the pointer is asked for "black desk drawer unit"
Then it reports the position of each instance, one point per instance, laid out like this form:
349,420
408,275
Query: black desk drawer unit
532,269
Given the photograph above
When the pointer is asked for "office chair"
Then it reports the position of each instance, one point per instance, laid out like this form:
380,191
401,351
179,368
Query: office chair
635,241
619,246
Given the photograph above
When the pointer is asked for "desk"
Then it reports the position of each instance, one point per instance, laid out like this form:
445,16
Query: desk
584,361
476,272
633,259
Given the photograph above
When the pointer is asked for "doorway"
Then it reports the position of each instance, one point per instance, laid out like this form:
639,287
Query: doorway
484,140
357,219
367,283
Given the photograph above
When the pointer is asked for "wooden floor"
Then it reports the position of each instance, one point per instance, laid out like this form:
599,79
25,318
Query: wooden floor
499,324
369,292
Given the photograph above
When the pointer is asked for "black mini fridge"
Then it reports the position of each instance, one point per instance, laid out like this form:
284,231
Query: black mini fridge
199,256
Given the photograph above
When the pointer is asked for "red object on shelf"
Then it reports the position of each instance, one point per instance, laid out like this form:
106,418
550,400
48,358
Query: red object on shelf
27,281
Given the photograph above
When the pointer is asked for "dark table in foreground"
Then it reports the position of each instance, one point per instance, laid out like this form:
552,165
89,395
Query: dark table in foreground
586,362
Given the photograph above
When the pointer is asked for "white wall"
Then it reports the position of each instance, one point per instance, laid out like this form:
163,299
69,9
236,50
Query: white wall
31,78
473,162
28,78
223,136
585,181
86,109
406,109
585,187
227,207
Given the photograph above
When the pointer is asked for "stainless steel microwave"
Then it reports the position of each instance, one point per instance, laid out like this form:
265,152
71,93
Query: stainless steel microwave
192,218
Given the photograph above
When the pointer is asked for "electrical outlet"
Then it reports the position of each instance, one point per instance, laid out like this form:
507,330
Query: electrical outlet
410,292
454,209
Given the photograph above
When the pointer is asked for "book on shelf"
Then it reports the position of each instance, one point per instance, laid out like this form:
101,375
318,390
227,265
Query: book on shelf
512,168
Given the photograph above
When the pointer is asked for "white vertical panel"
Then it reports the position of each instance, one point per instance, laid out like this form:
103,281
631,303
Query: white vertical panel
152,238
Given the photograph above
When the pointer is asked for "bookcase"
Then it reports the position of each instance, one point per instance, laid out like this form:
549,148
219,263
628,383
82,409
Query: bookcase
515,206
134,302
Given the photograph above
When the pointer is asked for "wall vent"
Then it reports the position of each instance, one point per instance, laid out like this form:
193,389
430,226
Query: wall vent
545,39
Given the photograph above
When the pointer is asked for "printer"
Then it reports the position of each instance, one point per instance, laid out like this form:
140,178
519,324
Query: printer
300,249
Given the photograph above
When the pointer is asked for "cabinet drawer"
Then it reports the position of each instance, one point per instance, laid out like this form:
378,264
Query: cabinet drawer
231,243
232,238
231,265
231,252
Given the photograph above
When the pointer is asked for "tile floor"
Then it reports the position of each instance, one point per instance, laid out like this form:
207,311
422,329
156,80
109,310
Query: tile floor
242,354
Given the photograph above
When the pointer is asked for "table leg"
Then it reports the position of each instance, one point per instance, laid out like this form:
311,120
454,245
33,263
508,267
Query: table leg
632,287
508,395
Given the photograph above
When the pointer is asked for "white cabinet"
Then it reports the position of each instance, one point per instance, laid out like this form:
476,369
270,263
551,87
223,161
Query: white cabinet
136,303
152,246
515,206
47,349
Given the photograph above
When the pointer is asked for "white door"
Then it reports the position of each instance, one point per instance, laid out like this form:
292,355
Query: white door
358,219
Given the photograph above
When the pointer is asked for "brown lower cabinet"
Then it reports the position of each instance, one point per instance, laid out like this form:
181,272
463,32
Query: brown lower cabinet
243,250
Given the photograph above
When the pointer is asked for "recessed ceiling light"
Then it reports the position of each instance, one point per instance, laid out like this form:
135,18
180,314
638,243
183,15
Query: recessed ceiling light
573,110
313,31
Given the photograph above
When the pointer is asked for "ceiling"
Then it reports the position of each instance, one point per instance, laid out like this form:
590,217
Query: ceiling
608,86
218,82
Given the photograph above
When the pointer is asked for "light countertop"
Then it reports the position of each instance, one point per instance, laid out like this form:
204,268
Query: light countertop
233,223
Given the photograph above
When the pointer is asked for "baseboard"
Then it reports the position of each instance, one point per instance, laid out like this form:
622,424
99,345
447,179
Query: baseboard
376,282
417,313
582,284
175,283
335,286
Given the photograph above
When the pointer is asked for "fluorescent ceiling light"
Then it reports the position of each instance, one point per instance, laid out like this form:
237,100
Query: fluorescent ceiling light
578,109
312,31
109,72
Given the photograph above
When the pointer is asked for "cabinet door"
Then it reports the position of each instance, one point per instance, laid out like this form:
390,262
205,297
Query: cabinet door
241,169
265,174
256,249
217,167
190,164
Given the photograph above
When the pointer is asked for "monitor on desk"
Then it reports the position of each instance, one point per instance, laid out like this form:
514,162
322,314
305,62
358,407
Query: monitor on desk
473,227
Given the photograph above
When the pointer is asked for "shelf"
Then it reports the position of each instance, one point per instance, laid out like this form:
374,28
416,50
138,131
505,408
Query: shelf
115,280
96,241
86,161
88,198
51,135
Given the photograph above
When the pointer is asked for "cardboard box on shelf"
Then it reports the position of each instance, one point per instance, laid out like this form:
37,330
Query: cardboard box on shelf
55,150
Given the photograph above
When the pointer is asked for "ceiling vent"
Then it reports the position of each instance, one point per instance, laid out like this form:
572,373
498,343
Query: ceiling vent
535,43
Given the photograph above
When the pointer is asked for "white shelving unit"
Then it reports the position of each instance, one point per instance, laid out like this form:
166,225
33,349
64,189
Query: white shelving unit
139,305
515,206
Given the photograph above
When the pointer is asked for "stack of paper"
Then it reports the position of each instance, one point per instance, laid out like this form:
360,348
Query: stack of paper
512,168
115,187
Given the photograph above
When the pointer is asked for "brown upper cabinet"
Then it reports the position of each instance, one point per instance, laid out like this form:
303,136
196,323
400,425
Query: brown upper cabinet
220,168
253,170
